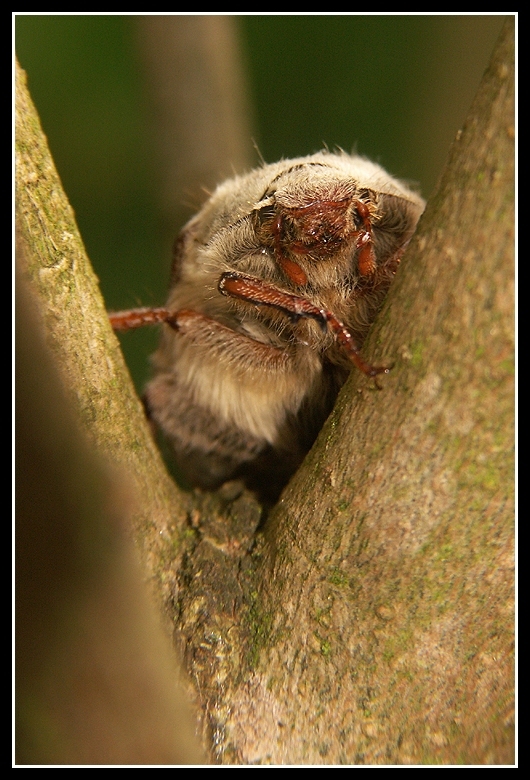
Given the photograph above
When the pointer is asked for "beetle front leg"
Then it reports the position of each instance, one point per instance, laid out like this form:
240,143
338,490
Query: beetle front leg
260,293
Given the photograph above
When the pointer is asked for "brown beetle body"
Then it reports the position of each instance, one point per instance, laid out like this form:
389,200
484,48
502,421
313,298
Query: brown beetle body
275,283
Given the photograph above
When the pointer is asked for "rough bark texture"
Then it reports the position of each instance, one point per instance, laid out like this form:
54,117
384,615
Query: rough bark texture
96,677
87,353
378,618
370,619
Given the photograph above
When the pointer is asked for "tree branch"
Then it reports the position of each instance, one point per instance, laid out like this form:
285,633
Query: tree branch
371,619
86,351
386,586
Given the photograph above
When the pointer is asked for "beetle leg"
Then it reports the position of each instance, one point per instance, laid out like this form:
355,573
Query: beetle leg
260,293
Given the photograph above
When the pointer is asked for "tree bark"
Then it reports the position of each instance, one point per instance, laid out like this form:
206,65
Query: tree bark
66,295
369,619
378,622
96,675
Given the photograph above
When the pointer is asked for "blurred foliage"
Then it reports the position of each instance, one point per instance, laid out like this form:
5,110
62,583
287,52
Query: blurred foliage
394,88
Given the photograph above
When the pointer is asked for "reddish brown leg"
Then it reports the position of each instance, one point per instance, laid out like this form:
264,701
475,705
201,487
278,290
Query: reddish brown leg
366,261
206,332
137,318
257,292
251,290
291,269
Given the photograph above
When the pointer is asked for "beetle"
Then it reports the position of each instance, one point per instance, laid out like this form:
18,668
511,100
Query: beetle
274,285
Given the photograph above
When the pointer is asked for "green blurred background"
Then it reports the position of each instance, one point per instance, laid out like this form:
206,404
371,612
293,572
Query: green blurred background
393,88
